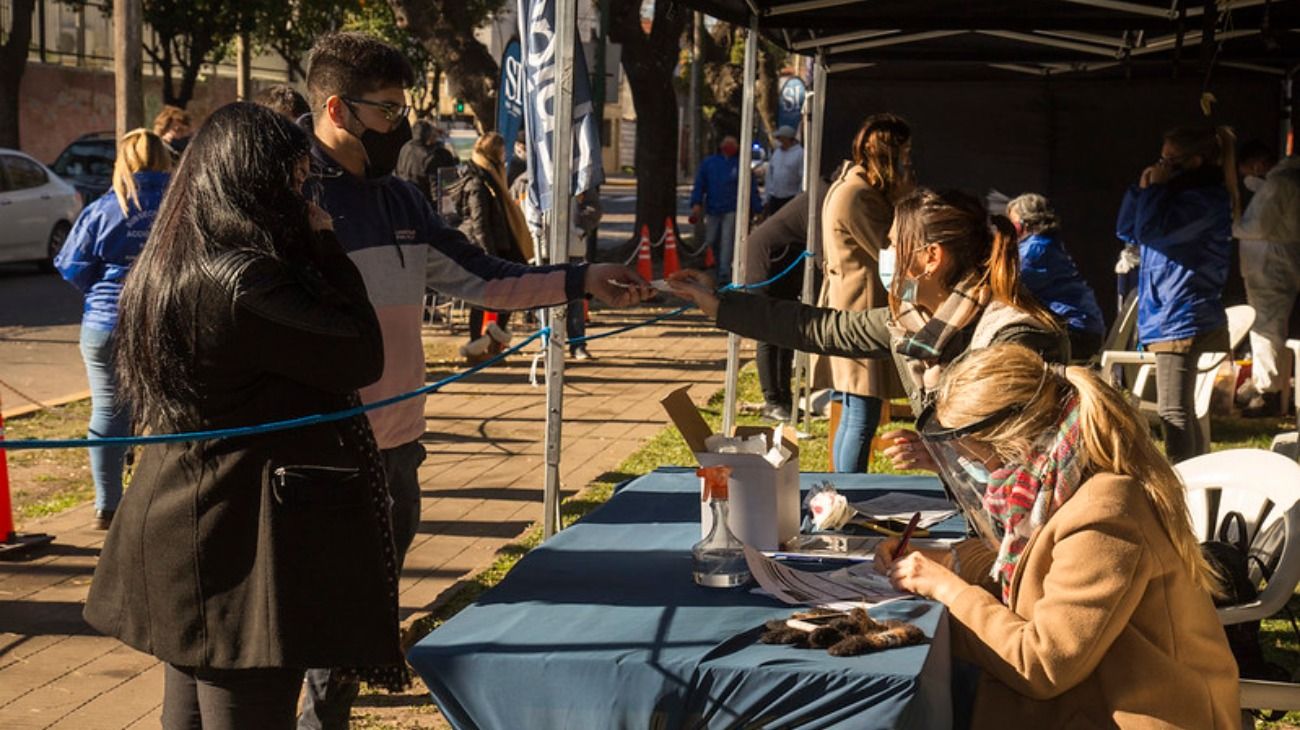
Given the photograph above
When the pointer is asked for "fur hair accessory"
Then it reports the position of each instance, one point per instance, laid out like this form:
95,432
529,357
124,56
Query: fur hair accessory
841,634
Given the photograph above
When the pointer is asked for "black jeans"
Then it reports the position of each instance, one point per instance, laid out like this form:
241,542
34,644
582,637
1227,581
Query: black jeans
327,700
1176,395
229,699
776,364
476,322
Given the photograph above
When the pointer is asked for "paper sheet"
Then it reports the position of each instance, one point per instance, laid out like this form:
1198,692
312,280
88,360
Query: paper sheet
900,506
857,583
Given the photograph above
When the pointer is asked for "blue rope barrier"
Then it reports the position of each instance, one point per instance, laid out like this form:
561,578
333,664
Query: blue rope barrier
733,286
284,425
319,418
628,328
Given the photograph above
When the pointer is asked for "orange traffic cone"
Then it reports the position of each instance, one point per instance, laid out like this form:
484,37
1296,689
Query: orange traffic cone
643,266
488,318
13,544
671,264
709,261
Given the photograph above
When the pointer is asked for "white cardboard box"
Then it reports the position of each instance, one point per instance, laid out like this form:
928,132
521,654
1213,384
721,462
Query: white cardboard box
764,510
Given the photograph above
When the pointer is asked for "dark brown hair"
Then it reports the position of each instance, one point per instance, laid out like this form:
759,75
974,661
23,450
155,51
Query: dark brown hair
975,241
878,147
168,116
284,100
1215,146
352,64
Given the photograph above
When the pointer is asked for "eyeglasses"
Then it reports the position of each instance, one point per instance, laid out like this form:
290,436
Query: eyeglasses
392,112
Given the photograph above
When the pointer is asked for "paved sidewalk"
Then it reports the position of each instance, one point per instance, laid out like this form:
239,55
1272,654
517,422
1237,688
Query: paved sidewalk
482,487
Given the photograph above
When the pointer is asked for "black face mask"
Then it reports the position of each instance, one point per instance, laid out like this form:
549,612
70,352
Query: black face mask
382,148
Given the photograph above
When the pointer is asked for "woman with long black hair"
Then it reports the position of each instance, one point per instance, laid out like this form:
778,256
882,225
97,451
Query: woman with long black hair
238,561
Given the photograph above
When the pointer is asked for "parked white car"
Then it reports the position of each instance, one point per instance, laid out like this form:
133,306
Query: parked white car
37,209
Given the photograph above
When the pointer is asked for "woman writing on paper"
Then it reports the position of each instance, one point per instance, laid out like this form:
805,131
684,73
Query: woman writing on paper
1085,599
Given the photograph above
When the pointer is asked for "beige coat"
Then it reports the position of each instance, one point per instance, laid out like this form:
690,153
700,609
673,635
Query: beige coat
855,226
1106,628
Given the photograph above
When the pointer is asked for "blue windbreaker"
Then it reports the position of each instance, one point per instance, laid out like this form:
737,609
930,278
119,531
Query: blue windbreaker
715,186
1049,274
104,243
1184,228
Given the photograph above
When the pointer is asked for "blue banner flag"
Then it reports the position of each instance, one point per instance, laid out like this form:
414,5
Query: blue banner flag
538,54
789,109
510,96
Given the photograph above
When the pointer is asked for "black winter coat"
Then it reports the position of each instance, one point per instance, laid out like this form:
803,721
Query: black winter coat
483,215
269,550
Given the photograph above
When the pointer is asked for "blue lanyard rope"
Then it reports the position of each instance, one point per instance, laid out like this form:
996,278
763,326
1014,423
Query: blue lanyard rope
312,420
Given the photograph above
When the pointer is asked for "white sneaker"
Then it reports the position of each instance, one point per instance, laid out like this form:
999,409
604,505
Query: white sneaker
503,337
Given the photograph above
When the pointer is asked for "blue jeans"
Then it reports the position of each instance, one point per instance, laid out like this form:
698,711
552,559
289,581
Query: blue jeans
859,417
720,235
109,416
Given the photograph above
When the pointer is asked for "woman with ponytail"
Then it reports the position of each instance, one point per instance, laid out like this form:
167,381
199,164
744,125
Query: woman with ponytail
1085,599
106,239
1180,214
856,217
953,277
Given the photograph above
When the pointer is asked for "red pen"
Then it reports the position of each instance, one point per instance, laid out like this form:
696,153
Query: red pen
907,535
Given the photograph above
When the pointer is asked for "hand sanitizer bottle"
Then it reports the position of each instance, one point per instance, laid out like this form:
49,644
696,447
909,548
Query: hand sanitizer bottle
719,559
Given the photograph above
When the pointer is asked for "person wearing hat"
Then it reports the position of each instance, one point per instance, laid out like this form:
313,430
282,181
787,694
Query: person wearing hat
784,172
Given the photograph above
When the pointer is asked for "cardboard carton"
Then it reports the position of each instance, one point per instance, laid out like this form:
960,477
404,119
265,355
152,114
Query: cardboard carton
764,497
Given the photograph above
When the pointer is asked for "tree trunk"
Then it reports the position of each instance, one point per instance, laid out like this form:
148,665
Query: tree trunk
13,62
655,100
648,61
445,28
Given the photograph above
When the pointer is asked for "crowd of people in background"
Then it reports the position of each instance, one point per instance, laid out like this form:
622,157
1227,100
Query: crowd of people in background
280,271
279,256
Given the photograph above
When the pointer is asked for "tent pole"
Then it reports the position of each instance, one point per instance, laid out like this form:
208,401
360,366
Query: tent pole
812,183
742,214
557,251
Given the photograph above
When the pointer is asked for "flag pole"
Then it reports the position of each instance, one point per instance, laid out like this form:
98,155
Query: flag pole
742,216
557,251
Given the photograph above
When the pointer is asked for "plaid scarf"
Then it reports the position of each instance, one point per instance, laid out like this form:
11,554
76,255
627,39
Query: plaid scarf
921,337
1035,491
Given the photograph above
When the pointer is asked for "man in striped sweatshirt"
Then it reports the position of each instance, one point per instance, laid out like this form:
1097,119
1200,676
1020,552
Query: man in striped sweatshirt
356,86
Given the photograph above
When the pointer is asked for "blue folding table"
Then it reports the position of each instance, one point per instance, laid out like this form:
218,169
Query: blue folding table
602,627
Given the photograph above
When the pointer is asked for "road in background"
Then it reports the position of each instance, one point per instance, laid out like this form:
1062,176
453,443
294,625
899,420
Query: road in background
40,322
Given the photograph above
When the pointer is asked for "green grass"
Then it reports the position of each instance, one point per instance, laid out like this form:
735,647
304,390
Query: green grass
48,481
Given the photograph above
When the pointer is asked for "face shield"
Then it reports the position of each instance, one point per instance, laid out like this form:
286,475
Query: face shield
964,465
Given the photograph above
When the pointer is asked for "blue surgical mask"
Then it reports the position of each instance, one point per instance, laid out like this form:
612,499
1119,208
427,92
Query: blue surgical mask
886,259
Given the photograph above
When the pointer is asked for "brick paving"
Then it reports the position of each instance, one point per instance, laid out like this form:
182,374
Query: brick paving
482,487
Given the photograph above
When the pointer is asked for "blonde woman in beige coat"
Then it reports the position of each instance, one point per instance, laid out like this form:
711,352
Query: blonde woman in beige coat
1087,601
857,216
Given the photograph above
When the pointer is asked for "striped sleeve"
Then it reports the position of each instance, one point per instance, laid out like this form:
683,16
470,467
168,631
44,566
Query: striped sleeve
462,270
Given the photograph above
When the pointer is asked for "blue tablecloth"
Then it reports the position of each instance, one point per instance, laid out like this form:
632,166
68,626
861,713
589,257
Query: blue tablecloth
601,627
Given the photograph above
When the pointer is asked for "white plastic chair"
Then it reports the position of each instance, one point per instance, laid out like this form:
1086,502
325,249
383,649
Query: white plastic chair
1288,444
1240,318
1264,488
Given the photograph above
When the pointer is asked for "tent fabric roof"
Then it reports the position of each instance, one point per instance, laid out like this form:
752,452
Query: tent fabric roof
1032,36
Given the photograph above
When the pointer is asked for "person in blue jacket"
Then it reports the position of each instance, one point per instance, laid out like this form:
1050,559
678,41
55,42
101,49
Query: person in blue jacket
96,258
714,195
1049,273
1180,214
